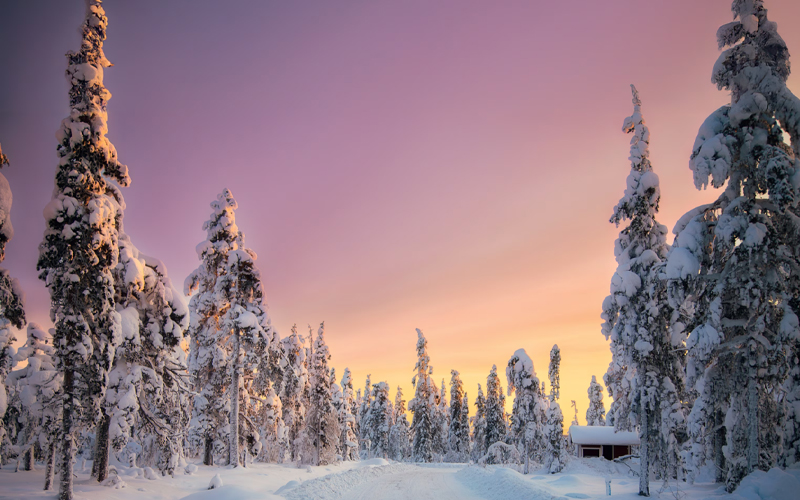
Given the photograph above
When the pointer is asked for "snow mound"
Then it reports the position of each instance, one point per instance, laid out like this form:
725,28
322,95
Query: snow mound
287,487
190,469
334,485
500,483
114,481
567,480
373,462
216,482
773,485
152,476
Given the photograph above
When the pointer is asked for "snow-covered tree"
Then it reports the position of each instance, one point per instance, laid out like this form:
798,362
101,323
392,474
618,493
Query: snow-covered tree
458,433
271,429
321,433
734,263
494,409
11,296
646,363
555,453
378,420
479,427
400,435
595,414
295,380
553,373
423,405
36,386
526,431
441,422
148,395
363,407
80,250
348,445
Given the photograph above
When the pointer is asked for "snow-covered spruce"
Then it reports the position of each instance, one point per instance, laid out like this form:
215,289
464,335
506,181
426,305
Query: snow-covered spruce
458,433
495,409
36,387
400,435
441,423
347,440
423,405
553,373
555,453
363,406
645,376
478,422
148,399
378,421
295,382
11,301
734,267
320,437
80,247
526,429
595,414
230,332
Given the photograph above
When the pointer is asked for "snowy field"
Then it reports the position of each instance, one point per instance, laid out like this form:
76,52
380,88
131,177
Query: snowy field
379,479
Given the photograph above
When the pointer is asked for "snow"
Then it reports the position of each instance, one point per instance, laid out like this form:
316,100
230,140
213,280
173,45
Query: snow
380,479
596,434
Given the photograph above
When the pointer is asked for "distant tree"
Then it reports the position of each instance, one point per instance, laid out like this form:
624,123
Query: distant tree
321,432
295,380
423,405
555,380
595,414
363,407
494,408
80,248
400,435
378,420
555,453
479,427
348,445
526,430
458,433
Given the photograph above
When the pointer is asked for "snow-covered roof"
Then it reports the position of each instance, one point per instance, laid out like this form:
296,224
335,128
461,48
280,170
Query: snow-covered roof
598,434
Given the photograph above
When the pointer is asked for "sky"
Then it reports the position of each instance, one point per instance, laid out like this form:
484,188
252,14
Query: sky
449,166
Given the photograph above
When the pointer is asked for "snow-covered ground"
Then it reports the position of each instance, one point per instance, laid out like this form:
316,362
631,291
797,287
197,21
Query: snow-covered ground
378,479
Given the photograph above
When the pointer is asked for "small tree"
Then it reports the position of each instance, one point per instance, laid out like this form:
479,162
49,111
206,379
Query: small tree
555,454
400,435
347,441
295,380
479,427
458,433
423,404
523,383
378,420
321,433
595,414
494,409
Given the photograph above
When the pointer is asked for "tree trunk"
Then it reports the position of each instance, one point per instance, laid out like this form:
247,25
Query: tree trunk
644,448
208,456
27,458
316,449
48,471
527,455
101,451
233,452
68,440
752,423
719,442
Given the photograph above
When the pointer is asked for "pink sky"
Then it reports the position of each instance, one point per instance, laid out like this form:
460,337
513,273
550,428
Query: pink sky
449,166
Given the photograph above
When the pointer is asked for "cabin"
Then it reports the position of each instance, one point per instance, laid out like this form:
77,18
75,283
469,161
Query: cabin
601,441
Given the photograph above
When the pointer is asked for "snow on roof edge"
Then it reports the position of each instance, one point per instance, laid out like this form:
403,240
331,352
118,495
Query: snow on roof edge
598,434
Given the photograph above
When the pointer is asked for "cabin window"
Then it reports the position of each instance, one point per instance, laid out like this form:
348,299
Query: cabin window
590,451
